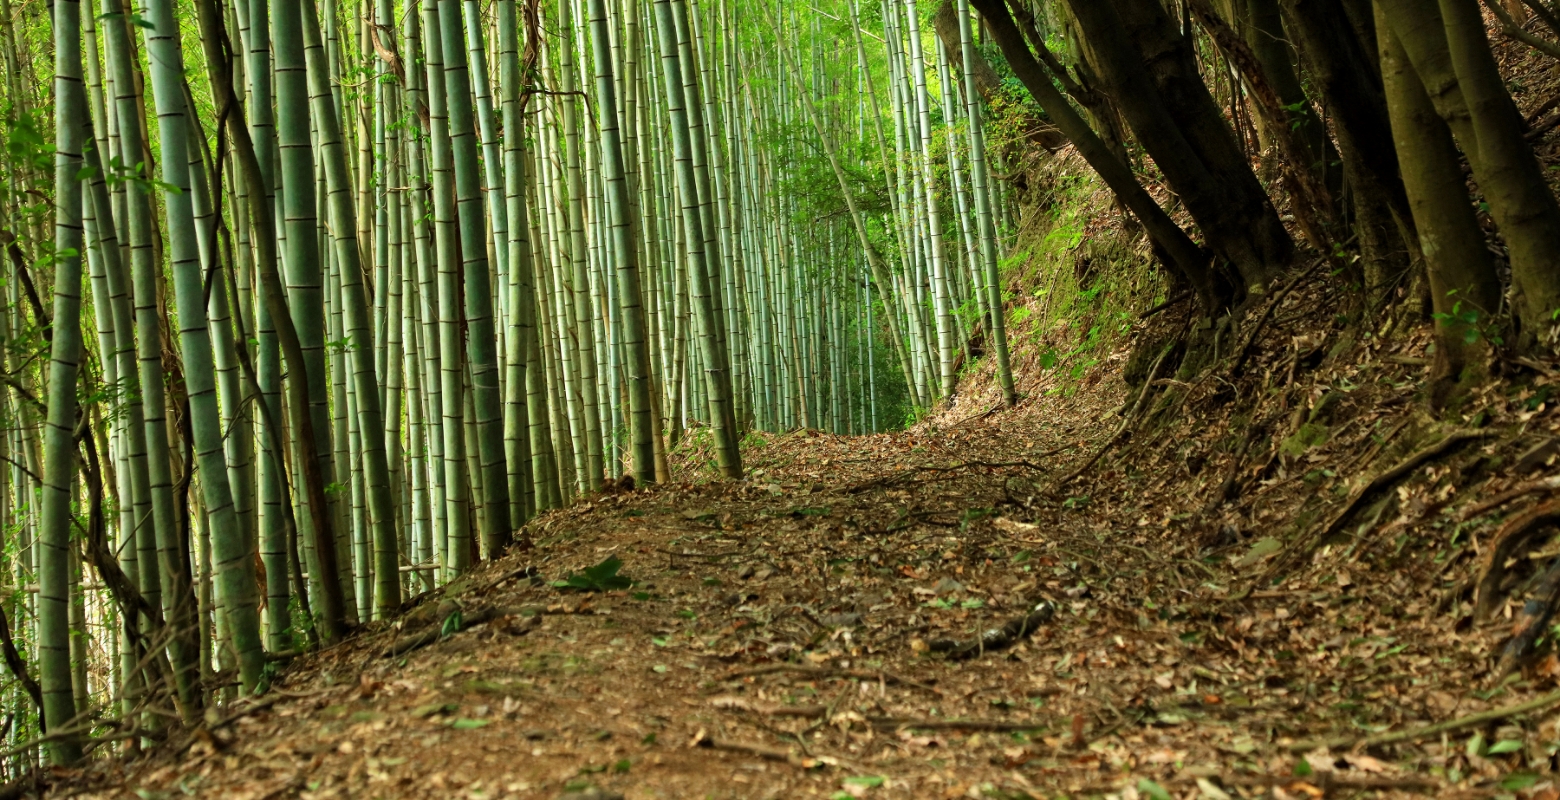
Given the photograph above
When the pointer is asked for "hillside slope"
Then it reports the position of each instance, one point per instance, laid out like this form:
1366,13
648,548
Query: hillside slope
1262,560
1268,573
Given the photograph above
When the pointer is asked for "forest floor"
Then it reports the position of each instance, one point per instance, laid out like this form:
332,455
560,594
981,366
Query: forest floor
784,636
1266,587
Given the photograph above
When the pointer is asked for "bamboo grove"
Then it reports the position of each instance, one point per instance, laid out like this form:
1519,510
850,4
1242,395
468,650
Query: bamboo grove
311,305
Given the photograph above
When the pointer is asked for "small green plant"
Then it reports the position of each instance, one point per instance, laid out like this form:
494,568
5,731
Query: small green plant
602,577
452,624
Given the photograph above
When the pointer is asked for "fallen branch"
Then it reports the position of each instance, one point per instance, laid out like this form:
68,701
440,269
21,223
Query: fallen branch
704,740
887,479
1472,720
833,672
735,703
989,726
996,638
1532,621
1327,781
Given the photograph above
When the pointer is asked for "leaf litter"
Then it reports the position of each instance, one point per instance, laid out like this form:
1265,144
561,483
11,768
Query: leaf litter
1255,591
915,615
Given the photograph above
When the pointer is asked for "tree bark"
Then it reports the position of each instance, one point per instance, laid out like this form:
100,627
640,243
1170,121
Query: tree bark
1464,288
1184,255
1151,72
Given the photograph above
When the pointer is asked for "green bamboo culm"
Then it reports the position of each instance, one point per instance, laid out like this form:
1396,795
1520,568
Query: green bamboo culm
623,252
355,314
481,342
306,272
162,575
234,562
59,455
987,231
522,452
717,375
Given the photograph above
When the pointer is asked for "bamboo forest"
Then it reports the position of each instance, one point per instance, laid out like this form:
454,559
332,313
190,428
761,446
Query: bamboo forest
780,398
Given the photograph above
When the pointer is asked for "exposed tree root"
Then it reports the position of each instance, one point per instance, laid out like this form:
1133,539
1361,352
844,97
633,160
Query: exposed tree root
1531,621
1510,536
1550,483
1304,544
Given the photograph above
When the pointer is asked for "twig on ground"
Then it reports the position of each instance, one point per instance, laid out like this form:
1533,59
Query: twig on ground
902,474
987,726
996,638
833,672
705,740
1541,703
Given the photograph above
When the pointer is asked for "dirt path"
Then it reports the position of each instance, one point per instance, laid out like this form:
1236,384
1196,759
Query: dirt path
777,642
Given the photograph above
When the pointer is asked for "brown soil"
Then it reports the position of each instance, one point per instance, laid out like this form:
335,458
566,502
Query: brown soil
778,640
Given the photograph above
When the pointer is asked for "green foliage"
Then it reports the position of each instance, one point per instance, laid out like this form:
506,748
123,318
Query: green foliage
451,625
599,578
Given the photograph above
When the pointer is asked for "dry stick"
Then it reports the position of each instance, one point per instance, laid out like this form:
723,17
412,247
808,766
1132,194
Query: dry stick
887,479
703,739
1120,429
1531,622
1331,780
729,703
833,672
1536,704
996,638
988,726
